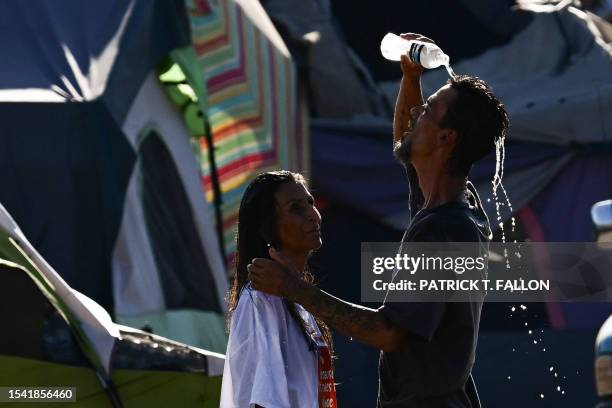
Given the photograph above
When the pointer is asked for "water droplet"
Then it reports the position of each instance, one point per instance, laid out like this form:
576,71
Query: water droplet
551,368
563,392
523,307
500,154
513,349
555,375
544,349
541,396
535,342
509,377
488,200
530,332
525,324
558,388
450,71
513,308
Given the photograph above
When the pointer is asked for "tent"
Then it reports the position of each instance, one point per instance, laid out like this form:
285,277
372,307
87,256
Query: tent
336,45
55,336
85,125
254,105
108,114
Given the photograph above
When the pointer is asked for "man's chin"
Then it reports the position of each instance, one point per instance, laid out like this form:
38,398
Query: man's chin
316,245
401,152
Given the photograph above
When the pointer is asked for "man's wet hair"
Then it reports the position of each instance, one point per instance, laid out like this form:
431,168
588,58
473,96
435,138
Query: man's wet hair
479,118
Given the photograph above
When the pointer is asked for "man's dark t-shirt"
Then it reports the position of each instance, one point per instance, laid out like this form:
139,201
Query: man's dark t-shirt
431,368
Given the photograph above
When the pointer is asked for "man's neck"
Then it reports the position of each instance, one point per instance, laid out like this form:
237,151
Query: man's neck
439,187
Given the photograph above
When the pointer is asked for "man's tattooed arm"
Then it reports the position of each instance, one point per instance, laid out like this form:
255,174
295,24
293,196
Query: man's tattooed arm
363,324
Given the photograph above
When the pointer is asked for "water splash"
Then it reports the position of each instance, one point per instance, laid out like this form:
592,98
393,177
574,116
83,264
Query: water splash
450,71
500,156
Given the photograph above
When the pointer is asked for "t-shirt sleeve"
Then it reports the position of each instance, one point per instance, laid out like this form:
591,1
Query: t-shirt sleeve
255,363
421,319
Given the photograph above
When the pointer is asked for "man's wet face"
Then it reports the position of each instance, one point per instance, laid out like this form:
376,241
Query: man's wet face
420,140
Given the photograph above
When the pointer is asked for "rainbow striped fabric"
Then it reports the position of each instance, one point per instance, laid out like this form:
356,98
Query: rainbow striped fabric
257,119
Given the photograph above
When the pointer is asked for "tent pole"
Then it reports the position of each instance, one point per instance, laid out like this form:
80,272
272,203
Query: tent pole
214,176
110,389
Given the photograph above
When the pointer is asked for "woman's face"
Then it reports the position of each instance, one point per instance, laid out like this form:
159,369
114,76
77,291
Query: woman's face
298,220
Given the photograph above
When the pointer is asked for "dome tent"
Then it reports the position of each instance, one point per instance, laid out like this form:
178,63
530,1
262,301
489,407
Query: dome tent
61,338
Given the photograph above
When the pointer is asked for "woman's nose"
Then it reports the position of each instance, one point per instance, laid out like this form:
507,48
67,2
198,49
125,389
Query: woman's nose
314,215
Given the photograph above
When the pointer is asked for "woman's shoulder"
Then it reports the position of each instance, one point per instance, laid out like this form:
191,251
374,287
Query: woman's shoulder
256,311
252,299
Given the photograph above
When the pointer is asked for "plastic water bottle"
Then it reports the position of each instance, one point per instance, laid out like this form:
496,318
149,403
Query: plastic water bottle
425,54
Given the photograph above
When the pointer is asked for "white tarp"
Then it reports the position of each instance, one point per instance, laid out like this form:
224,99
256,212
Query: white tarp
555,78
95,321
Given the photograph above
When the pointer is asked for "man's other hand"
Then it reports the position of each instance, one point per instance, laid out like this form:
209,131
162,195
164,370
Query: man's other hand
409,68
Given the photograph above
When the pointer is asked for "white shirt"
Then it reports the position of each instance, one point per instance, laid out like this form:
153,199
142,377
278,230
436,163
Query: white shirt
268,361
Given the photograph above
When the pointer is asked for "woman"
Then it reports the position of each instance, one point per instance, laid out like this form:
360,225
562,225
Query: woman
278,354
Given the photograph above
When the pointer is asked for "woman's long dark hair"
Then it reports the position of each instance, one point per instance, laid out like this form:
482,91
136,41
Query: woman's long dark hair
256,229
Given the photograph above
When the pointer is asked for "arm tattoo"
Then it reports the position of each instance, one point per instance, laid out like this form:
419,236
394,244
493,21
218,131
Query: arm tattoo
361,323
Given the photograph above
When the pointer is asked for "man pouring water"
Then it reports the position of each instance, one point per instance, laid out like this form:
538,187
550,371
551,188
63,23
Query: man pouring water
427,348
